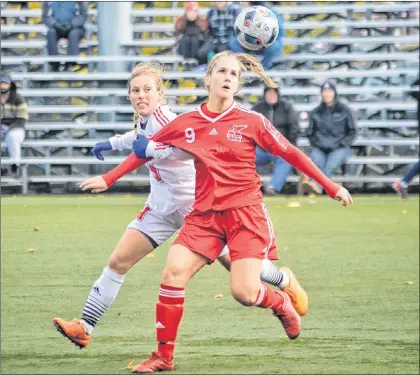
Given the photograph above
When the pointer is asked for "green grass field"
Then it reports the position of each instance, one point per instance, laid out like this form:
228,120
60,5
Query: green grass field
360,267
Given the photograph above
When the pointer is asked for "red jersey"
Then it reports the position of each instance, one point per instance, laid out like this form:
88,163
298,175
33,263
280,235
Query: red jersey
223,146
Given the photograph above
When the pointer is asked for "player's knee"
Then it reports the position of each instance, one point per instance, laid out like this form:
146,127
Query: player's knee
176,274
118,264
245,295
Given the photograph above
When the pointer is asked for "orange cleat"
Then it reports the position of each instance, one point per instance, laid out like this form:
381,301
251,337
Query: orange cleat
154,364
296,293
287,315
73,330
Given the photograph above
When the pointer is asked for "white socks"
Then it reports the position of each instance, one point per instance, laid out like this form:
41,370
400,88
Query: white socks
101,297
272,275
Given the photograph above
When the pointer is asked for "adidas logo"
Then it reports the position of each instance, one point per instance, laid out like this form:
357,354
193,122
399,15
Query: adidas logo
160,325
96,289
213,132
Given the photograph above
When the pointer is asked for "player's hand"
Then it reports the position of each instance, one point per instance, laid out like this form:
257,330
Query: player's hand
96,184
344,196
99,147
140,145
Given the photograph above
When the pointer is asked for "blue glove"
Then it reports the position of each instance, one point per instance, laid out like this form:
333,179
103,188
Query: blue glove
99,147
140,145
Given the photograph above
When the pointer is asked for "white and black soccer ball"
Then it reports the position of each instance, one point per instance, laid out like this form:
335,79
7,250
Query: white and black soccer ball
256,27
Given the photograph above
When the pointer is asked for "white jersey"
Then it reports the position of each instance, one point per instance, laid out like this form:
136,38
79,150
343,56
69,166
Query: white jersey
172,182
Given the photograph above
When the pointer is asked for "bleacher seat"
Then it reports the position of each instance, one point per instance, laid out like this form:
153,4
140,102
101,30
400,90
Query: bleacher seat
369,49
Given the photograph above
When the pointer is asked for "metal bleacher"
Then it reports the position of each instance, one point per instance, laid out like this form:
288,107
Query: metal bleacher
369,49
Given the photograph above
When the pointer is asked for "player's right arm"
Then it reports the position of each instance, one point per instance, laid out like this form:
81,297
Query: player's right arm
102,183
168,134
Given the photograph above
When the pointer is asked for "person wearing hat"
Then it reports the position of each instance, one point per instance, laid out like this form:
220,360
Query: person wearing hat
14,115
331,132
286,120
191,28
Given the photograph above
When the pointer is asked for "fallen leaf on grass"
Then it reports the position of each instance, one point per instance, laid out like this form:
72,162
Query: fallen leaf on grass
31,250
312,199
218,296
36,229
409,283
150,255
130,366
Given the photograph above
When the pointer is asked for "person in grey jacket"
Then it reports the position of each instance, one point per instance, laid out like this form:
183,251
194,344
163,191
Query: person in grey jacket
64,19
286,120
331,133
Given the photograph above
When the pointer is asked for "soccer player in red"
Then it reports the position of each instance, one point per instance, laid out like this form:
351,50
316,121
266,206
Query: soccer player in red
172,195
221,137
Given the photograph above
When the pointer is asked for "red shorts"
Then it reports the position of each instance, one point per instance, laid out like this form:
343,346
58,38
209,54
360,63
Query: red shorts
247,231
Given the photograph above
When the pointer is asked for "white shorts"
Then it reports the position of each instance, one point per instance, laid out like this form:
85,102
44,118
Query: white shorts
159,227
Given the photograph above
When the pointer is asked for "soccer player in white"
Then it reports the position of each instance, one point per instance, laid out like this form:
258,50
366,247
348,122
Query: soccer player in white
171,198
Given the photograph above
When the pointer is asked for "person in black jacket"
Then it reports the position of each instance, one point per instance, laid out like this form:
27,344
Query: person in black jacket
331,132
191,29
64,19
286,120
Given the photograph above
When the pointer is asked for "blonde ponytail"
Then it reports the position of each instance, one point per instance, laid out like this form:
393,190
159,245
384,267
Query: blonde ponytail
251,63
136,117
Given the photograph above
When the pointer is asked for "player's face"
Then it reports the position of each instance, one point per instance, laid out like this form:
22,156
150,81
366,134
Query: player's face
328,96
144,96
223,81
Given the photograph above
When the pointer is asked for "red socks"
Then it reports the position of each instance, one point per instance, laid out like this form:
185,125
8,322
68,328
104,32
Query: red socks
266,298
169,311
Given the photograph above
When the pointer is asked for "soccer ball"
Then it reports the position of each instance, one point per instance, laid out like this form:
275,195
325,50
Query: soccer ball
256,27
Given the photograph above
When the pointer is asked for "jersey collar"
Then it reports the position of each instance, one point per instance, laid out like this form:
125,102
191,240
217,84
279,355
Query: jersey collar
213,120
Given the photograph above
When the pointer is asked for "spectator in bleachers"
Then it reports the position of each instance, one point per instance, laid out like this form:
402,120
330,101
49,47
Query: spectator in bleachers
267,55
64,19
401,186
331,132
221,19
191,28
14,115
286,120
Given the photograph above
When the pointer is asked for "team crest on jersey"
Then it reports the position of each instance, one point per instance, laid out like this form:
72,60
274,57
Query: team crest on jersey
235,134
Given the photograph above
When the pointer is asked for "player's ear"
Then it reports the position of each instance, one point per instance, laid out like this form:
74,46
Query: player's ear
207,80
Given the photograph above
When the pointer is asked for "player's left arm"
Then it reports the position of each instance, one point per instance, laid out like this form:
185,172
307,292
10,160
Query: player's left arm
271,140
157,150
166,143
